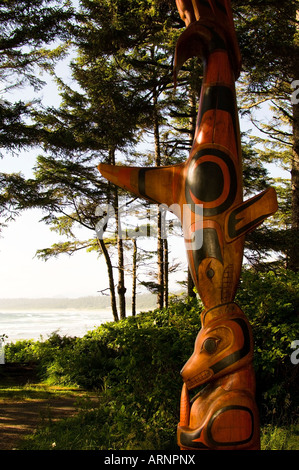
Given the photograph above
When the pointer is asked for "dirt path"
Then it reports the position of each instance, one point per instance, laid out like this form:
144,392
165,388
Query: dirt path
19,418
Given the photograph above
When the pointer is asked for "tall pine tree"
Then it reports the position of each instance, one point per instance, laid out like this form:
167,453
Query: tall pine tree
268,35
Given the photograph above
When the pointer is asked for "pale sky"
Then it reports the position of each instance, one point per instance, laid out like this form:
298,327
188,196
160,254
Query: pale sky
24,275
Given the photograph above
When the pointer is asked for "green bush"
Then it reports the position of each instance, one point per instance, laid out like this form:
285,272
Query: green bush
21,351
271,303
280,438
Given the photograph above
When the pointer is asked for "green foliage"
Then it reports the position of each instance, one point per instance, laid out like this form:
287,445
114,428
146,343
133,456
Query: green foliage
274,438
135,364
271,302
28,31
21,351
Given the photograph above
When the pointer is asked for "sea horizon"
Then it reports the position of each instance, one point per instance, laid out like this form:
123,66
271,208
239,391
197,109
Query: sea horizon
38,318
40,324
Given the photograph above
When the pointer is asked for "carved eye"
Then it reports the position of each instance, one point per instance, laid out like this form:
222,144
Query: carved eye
210,345
210,273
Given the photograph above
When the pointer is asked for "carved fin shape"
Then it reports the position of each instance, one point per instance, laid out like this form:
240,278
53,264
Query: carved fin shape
157,184
249,214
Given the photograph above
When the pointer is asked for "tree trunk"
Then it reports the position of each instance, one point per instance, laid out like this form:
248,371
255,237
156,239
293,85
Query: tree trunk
160,298
166,277
134,277
160,261
121,289
294,247
110,277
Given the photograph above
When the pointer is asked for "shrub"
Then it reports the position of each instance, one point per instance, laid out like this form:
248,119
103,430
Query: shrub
271,302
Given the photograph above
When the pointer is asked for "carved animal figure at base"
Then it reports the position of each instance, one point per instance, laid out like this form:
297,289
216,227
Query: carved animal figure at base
223,415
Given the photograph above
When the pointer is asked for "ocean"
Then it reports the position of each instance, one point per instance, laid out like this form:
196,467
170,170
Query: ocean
40,324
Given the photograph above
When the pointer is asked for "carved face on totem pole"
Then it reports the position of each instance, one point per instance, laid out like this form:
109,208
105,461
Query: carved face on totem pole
223,345
205,192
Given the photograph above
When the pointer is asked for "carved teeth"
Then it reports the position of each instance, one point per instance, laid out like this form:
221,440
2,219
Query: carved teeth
196,379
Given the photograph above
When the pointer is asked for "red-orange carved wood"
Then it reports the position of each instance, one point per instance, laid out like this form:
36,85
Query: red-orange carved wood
224,414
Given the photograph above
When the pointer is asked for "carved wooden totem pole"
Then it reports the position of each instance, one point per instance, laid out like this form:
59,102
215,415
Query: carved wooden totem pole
223,414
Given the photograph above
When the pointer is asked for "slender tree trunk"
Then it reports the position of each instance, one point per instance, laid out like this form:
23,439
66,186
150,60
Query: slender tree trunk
110,278
105,252
121,290
294,248
134,277
160,261
166,277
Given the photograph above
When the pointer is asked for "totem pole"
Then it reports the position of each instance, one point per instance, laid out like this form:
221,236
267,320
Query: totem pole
223,414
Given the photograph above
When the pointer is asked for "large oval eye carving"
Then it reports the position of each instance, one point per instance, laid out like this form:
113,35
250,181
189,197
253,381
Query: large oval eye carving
210,345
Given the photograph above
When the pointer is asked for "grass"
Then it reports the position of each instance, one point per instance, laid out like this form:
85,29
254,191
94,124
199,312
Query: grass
84,431
280,438
88,429
14,387
38,391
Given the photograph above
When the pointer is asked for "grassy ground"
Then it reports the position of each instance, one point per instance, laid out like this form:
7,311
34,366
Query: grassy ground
26,408
51,417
